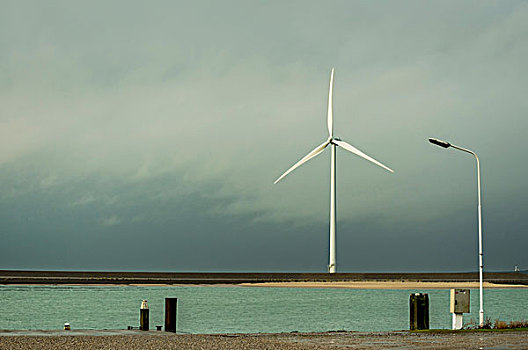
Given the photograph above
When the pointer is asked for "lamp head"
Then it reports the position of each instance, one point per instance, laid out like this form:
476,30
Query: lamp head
440,143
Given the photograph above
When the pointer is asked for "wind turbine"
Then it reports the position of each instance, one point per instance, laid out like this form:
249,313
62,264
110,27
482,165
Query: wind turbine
333,142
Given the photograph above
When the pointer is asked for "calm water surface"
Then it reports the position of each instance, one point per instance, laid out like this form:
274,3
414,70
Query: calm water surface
240,309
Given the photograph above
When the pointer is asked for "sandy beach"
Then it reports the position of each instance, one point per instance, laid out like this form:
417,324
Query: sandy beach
381,285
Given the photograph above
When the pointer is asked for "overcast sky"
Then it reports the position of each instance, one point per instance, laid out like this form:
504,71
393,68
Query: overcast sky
139,136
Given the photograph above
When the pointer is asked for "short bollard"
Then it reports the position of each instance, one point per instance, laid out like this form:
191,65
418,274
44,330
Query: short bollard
171,308
144,316
419,311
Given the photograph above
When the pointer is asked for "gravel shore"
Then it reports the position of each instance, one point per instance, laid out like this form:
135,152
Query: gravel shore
350,340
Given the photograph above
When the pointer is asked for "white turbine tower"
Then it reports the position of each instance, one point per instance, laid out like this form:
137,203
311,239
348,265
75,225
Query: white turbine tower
333,142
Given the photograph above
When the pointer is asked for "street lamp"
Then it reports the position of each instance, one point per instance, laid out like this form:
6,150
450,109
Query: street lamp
445,144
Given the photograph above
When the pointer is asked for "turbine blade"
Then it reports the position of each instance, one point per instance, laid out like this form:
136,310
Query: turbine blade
306,158
330,118
354,150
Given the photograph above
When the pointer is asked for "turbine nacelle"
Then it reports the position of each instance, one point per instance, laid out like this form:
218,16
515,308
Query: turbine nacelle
331,139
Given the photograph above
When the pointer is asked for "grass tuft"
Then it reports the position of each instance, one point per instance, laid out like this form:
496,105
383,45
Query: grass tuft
497,324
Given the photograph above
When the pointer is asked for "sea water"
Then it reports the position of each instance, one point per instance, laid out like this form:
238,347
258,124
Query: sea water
240,309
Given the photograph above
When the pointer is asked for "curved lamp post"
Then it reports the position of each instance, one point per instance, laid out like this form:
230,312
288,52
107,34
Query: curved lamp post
445,144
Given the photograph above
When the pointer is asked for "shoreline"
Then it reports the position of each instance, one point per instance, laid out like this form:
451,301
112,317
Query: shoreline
389,285
391,280
393,285
265,341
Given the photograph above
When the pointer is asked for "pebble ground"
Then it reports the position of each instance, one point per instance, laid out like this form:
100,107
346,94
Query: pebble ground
345,340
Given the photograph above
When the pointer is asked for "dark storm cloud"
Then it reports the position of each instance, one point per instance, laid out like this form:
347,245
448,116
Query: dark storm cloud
126,127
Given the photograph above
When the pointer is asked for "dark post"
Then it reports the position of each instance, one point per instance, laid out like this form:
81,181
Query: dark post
171,308
144,316
419,311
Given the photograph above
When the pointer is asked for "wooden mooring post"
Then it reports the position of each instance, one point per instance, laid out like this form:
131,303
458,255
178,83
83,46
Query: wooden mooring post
171,311
419,311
